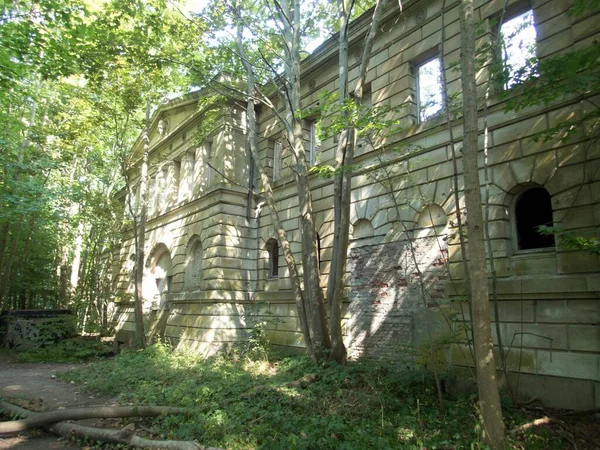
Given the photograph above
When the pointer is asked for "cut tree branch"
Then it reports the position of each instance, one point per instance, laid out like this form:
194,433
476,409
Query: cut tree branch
124,436
100,412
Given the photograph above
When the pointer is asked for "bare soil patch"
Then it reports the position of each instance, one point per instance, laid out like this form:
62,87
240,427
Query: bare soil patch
36,386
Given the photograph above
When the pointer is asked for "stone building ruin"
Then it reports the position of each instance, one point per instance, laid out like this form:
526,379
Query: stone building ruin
213,263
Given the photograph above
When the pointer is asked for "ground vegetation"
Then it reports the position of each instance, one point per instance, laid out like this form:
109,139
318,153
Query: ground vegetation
295,403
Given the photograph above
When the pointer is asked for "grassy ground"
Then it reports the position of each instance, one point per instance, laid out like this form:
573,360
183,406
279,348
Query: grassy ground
243,404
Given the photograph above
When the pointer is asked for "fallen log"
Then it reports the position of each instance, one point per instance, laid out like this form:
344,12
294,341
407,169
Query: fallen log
537,422
124,436
100,412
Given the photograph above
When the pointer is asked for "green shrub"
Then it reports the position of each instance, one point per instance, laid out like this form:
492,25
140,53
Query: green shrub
69,350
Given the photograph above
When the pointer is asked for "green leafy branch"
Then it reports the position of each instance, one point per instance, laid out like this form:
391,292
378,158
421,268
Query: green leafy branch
571,240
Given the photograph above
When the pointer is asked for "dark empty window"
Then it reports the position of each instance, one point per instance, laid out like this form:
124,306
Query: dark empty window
533,208
273,249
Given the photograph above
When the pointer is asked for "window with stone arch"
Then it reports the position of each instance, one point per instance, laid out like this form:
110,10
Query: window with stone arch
272,247
193,264
532,208
158,279
131,273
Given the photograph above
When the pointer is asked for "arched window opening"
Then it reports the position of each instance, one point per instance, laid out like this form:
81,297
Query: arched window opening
532,209
158,279
131,273
193,264
273,250
163,275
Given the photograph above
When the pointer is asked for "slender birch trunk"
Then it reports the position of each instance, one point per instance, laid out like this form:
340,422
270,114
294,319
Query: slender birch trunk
268,193
292,30
75,265
141,236
456,193
341,205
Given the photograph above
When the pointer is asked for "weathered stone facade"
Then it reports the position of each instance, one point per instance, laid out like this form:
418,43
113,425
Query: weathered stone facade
208,276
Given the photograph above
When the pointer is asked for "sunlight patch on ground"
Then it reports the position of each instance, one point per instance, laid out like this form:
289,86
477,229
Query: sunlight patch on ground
13,388
261,368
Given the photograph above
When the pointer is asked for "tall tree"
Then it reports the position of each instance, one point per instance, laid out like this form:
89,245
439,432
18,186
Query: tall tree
489,398
75,82
36,48
252,126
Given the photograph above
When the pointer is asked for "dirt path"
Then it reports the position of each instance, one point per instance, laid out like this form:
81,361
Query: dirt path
38,383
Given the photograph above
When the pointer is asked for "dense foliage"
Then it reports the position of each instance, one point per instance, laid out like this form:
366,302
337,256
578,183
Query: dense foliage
76,78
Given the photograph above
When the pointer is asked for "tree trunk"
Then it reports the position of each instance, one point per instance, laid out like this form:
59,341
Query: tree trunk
141,237
75,265
86,267
124,436
343,174
63,281
489,398
99,412
292,30
8,264
23,263
456,194
341,206
3,243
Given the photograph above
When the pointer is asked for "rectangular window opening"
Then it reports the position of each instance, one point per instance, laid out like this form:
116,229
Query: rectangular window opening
315,142
518,48
277,148
430,94
310,130
208,146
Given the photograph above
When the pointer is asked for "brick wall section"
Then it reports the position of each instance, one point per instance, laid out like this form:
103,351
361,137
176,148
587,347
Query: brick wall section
388,295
